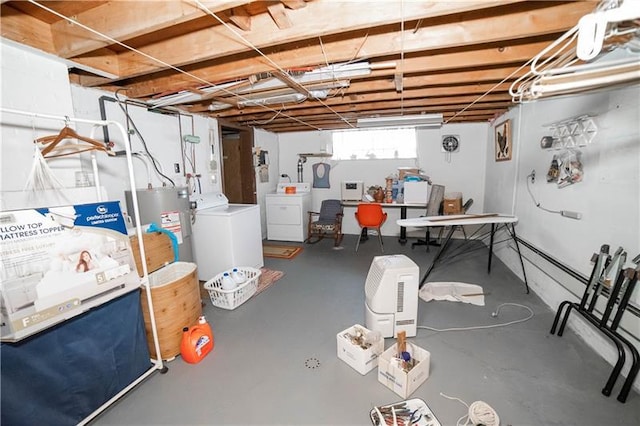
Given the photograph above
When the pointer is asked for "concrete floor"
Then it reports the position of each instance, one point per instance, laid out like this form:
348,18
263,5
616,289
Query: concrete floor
256,373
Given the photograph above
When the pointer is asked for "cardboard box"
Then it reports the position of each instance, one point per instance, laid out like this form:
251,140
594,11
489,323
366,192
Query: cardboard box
59,262
361,360
452,203
403,171
395,378
416,192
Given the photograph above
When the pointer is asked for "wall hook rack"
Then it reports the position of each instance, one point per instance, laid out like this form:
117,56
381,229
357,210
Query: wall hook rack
573,132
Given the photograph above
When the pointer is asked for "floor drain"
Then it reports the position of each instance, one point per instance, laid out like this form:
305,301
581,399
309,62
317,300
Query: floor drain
312,363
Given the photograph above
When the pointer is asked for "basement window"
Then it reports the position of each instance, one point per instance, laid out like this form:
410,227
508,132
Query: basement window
378,144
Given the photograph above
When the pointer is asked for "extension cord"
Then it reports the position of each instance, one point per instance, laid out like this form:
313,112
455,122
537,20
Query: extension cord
478,413
572,215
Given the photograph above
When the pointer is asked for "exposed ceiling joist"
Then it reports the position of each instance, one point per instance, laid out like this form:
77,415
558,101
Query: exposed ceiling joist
249,62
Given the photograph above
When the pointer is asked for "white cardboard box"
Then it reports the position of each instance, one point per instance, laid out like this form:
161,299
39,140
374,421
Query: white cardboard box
59,262
416,192
395,378
361,360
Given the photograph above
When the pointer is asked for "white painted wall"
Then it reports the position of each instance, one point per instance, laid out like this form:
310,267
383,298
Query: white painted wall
608,197
464,173
266,141
37,83
163,139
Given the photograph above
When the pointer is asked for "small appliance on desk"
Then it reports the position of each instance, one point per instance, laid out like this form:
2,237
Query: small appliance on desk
352,190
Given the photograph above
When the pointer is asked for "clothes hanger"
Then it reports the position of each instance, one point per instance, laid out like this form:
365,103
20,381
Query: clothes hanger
68,133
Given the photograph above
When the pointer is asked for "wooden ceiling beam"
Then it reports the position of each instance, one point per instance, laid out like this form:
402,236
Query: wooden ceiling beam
373,105
279,15
444,79
417,86
25,29
352,100
124,20
482,108
241,18
553,19
345,109
294,4
340,125
337,125
309,23
475,59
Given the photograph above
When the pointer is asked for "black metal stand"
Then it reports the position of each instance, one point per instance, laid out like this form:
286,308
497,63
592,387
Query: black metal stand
619,297
426,242
512,233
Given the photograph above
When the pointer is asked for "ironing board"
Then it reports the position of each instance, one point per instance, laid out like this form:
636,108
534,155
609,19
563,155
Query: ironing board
494,220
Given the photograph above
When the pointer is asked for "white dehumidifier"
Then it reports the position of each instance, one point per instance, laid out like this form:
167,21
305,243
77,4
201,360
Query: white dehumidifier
391,295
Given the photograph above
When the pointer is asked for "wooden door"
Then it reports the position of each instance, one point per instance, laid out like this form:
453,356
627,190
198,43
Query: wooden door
239,183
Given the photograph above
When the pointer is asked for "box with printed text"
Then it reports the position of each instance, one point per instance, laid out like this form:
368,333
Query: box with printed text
392,374
360,359
59,262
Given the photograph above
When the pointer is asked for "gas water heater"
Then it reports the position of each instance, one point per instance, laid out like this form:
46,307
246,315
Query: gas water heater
169,208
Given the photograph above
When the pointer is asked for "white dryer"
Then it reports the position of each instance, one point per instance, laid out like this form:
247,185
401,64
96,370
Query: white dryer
287,212
225,235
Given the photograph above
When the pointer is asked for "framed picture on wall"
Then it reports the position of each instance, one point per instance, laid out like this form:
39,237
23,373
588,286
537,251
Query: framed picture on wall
503,141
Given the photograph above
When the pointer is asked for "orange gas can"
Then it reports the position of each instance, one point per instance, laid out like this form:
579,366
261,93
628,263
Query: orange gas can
197,341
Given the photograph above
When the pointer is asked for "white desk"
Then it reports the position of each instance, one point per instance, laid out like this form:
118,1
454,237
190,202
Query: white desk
493,219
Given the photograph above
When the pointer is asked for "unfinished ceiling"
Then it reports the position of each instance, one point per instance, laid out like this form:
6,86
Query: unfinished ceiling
295,65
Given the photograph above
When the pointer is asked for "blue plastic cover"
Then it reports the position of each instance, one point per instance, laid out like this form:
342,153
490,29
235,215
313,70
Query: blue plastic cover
63,374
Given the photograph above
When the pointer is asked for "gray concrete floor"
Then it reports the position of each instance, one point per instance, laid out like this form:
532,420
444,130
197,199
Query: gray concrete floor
256,373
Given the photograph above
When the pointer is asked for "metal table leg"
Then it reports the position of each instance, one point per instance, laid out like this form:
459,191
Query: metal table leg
438,255
403,231
493,230
515,240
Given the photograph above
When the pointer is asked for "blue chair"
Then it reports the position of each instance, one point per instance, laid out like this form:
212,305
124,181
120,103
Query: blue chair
326,222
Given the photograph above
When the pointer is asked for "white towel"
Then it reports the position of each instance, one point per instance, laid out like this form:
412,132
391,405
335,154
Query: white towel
453,292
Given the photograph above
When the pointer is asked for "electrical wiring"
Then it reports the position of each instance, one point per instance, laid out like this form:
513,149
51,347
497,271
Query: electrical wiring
493,314
537,204
144,143
166,64
275,65
188,156
267,121
488,91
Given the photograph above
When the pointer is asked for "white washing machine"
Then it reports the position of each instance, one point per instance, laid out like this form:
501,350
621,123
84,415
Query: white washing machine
225,235
287,212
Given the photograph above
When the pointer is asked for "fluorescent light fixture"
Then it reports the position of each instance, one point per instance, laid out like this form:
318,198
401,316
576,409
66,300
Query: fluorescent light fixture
421,120
281,99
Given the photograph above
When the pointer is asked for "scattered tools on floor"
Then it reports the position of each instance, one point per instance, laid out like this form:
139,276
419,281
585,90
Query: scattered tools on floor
403,413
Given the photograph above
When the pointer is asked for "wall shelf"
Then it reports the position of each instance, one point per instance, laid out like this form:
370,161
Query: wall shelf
573,132
315,154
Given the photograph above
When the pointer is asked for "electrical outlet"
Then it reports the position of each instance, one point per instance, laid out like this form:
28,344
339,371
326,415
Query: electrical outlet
533,176
176,167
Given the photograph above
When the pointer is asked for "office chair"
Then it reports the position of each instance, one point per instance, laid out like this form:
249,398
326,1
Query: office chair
326,222
370,215
434,208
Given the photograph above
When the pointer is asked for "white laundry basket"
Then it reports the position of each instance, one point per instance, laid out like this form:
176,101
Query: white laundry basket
231,299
